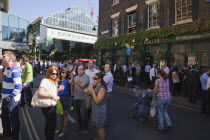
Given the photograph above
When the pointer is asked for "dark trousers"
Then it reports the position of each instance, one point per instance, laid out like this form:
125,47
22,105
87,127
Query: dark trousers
134,81
137,79
184,89
0,91
50,124
192,92
82,113
147,78
108,98
26,94
153,82
205,106
10,119
176,89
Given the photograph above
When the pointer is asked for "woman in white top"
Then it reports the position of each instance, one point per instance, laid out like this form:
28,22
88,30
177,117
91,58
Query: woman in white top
48,89
176,82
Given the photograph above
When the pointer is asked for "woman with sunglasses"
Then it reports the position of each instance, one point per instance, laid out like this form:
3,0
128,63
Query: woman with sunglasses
98,114
64,99
48,89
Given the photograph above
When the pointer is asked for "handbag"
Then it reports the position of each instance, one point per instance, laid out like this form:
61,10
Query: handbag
88,102
42,102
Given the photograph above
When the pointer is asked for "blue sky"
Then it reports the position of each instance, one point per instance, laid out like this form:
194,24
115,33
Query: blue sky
32,9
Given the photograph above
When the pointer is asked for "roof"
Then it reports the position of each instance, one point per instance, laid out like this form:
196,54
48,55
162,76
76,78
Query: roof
73,19
38,19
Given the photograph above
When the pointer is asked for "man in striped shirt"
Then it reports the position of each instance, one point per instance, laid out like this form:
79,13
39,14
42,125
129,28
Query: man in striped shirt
11,93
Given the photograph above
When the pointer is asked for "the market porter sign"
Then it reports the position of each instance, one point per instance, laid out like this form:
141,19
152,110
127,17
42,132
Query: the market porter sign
71,36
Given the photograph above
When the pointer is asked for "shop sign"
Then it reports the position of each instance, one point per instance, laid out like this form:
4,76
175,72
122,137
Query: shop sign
58,34
105,32
128,51
188,37
152,41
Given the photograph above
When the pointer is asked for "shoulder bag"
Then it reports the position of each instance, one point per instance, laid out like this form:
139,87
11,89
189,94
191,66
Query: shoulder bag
43,102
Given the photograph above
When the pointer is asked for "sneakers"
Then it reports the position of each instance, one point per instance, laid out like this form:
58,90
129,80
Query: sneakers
72,108
57,132
62,134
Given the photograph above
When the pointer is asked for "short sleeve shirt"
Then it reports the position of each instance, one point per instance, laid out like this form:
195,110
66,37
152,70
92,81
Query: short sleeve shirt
163,88
45,83
28,68
66,87
79,93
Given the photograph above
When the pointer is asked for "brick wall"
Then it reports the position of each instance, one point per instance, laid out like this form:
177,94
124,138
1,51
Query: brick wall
106,9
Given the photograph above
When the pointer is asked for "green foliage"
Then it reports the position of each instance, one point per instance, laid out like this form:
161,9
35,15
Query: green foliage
161,33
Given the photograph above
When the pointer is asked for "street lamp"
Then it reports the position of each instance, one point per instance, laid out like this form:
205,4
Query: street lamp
94,28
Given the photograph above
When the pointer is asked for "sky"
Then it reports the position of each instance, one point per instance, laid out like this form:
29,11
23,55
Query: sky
32,9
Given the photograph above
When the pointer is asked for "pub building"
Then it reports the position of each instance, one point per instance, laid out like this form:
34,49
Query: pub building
181,28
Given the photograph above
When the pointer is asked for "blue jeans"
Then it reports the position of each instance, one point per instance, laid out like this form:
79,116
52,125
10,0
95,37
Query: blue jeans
162,110
10,119
82,114
26,94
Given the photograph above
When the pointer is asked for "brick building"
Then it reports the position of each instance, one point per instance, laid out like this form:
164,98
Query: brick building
179,28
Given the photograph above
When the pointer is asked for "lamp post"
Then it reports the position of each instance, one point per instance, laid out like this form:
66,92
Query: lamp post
94,28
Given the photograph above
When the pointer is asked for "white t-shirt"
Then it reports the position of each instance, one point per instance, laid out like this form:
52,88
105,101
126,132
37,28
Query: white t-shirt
45,83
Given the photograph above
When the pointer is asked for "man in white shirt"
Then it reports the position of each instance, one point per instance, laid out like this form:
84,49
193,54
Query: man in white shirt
116,68
147,71
124,68
153,75
108,78
91,71
166,69
138,71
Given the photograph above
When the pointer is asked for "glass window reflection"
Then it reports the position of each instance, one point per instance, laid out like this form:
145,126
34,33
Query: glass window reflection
14,28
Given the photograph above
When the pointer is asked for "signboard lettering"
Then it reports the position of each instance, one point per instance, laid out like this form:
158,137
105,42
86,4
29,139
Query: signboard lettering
57,34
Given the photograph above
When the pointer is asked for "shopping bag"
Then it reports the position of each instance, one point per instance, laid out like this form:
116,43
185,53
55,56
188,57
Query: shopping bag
59,108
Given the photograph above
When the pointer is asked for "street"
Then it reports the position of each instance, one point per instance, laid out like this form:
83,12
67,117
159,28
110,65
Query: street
187,124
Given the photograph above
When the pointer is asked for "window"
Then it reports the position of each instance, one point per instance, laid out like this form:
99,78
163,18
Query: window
115,26
183,10
115,1
132,22
153,16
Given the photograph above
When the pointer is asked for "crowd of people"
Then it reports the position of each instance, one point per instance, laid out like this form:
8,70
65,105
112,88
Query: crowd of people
73,84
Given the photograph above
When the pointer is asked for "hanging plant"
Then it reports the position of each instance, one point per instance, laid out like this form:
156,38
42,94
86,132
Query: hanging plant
161,33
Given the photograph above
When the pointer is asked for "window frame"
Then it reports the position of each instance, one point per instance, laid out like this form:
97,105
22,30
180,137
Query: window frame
133,26
158,15
113,2
117,19
186,20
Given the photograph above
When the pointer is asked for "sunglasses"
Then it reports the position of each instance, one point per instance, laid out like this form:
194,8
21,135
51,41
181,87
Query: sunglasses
55,74
94,78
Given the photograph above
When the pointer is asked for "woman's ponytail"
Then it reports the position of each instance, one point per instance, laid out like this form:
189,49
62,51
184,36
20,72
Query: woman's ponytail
163,74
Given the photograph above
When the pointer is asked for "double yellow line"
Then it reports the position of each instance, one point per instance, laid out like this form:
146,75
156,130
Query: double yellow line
28,123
